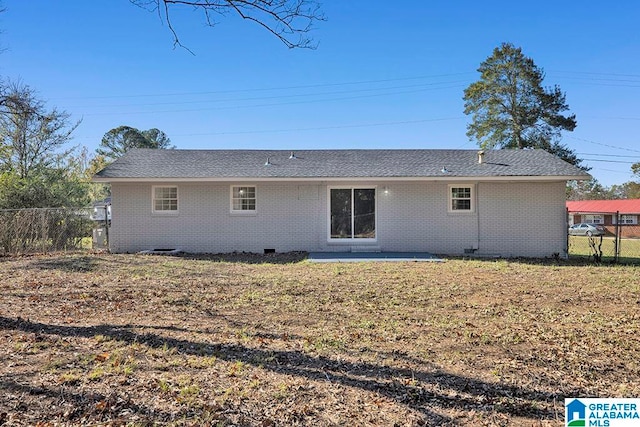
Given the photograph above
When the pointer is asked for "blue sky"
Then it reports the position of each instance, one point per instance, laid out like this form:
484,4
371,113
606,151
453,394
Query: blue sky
384,75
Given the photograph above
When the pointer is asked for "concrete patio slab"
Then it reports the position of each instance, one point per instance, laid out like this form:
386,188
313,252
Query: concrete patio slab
372,257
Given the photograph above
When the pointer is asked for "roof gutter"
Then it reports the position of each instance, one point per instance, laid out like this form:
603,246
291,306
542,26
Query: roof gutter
350,178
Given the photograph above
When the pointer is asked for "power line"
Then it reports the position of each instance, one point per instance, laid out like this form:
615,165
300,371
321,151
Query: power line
268,105
595,73
614,171
610,118
608,161
607,84
606,155
357,82
317,85
257,98
604,145
322,127
602,80
360,125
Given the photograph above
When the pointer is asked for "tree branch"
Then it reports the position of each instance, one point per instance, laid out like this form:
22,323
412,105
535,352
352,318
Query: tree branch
289,20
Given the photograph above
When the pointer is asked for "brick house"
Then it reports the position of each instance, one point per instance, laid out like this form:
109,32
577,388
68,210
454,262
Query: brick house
499,203
623,213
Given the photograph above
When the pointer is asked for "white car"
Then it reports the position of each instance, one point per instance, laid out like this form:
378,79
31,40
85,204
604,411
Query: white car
585,229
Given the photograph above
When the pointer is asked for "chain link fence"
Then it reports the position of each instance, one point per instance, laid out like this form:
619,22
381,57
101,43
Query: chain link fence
41,230
619,243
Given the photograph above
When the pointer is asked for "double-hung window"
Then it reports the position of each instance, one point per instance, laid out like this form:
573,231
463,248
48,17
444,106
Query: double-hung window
628,219
461,198
352,213
165,199
243,199
594,219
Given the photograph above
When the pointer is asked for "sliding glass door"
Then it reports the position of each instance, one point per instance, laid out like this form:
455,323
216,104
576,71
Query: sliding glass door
353,213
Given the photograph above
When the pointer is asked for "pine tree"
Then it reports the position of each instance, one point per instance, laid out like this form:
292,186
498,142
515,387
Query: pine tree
510,108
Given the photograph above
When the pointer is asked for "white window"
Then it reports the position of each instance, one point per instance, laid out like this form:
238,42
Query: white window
352,213
628,219
165,199
243,199
461,198
594,219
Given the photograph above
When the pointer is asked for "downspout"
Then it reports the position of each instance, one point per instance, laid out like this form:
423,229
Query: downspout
481,154
566,228
322,193
106,227
478,216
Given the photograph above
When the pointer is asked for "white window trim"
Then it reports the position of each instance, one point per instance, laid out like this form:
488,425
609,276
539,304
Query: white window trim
592,220
153,200
450,198
632,217
350,240
241,212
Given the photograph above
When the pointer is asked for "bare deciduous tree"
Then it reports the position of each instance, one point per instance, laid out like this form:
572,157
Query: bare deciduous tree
291,21
30,135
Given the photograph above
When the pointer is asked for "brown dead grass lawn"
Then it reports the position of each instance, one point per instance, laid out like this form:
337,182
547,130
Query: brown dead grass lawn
278,341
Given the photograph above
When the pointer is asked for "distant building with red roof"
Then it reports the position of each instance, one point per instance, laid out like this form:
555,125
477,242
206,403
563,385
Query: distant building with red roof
610,213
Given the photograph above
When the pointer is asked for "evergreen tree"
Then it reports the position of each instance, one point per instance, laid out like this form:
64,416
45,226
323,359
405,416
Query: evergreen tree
119,140
511,109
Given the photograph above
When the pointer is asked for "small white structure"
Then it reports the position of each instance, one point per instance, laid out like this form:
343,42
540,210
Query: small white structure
99,240
101,209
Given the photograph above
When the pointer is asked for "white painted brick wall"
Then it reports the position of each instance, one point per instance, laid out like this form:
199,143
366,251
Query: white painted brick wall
414,217
291,216
522,219
204,222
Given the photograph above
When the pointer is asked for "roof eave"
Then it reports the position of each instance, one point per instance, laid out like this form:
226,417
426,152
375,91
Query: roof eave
346,178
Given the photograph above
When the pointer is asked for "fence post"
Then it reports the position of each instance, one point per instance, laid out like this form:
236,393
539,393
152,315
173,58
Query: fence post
618,236
43,229
106,225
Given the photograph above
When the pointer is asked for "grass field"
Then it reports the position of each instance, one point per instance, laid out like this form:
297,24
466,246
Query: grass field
278,341
629,248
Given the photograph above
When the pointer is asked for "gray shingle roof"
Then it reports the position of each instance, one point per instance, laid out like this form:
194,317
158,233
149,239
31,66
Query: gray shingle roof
142,164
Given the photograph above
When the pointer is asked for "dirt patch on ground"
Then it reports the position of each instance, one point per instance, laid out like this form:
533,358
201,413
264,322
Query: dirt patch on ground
270,340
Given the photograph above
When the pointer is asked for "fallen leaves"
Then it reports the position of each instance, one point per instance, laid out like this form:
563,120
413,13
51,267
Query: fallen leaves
267,341
102,357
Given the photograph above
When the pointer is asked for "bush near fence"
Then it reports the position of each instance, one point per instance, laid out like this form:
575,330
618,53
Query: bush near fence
36,230
619,244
